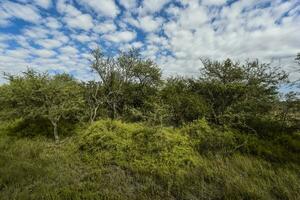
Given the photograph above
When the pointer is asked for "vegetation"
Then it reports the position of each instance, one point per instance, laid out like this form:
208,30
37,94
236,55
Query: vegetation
227,134
36,95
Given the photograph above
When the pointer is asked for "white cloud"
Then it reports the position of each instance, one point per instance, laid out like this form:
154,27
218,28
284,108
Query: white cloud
60,36
244,30
105,7
18,53
152,6
158,40
147,23
73,17
105,27
268,30
122,36
82,21
43,3
83,38
4,22
192,17
49,43
68,50
36,32
129,4
213,2
65,7
132,45
10,10
43,53
150,24
52,23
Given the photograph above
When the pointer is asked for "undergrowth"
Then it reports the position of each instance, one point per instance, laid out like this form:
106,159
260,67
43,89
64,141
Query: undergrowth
116,160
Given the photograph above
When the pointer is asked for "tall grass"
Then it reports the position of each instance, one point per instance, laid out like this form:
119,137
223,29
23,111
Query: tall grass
115,160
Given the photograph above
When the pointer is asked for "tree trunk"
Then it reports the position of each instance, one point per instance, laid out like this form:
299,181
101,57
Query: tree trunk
94,114
114,110
55,132
91,116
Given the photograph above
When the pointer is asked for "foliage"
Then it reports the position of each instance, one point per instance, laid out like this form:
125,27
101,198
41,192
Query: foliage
238,94
297,59
228,93
139,147
35,95
206,139
94,100
127,81
227,134
183,104
115,160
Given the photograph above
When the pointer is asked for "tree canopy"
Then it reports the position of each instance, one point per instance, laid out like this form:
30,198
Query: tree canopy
34,95
226,93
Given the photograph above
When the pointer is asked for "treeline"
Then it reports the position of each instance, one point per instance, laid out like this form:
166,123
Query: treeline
243,96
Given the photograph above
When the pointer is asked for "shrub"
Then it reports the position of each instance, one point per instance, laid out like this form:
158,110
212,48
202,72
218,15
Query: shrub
116,160
163,154
206,139
36,127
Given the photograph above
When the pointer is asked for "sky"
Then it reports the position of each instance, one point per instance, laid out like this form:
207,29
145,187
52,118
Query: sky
58,35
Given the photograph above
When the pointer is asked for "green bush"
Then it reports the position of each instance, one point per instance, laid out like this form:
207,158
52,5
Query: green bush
281,149
161,152
206,139
116,160
194,162
36,127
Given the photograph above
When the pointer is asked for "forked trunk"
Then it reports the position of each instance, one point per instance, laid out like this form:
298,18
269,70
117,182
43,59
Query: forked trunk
93,114
54,122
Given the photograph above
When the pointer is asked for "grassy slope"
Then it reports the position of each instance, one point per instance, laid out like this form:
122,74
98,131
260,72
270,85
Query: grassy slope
113,160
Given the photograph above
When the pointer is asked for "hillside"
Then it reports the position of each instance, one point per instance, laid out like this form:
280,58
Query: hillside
116,160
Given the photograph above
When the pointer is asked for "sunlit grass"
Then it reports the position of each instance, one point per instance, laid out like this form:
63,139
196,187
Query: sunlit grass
115,160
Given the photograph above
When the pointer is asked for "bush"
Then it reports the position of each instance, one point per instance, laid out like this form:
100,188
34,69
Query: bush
36,127
116,160
160,152
206,139
281,149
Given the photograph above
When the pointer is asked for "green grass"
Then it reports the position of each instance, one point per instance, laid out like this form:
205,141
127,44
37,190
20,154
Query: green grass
115,160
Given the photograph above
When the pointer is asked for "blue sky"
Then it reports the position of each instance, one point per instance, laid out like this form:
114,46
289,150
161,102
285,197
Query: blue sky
57,35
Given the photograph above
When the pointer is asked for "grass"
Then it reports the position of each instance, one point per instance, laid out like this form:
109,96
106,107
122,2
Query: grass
116,160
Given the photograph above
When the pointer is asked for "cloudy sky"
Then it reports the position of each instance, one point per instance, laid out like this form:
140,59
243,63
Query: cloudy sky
57,35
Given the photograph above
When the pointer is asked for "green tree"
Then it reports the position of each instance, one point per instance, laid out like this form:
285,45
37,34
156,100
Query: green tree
298,62
94,98
112,79
142,79
238,92
34,95
290,107
183,104
128,80
298,58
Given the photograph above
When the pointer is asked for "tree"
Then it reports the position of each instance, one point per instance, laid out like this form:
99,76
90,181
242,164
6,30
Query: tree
142,79
137,70
128,81
34,94
297,82
94,98
297,59
224,72
237,92
183,104
111,78
290,107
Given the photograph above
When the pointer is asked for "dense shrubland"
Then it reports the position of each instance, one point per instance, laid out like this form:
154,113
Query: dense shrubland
225,134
